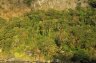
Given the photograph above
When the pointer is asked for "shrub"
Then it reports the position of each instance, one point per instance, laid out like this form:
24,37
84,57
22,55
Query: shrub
92,3
80,56
28,2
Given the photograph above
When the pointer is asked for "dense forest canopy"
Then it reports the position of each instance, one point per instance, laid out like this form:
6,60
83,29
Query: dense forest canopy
67,35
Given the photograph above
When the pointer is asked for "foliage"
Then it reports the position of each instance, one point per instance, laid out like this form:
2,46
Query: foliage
92,3
48,33
28,2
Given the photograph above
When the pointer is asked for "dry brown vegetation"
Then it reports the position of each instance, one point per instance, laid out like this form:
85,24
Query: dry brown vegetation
13,8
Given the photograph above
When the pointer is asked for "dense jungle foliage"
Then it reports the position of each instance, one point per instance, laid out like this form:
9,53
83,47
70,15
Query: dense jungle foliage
68,35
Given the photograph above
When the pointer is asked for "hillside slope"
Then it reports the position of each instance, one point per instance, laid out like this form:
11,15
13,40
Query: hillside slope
32,31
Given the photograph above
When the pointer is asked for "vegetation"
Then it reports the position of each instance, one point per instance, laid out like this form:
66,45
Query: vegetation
29,2
92,3
68,35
